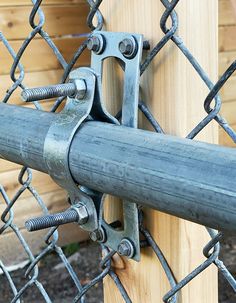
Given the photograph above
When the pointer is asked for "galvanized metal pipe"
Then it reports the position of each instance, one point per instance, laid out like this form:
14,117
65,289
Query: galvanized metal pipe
188,179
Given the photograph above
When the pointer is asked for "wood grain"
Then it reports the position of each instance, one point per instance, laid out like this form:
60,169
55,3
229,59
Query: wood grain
228,111
33,79
7,165
225,59
65,21
227,38
59,20
228,92
41,182
224,138
172,90
227,16
47,2
40,57
227,48
55,201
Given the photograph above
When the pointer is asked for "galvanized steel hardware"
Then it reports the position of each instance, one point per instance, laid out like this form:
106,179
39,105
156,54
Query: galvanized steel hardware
128,49
126,248
98,235
74,89
96,43
59,138
77,213
23,127
85,99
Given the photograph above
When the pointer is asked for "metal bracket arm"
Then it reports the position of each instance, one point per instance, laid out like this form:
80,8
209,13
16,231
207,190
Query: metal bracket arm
84,98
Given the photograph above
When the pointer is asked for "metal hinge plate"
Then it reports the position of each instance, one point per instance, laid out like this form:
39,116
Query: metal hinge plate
130,60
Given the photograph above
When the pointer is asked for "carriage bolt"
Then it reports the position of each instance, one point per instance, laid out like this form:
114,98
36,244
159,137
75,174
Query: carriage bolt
128,47
96,43
98,235
125,248
76,214
74,89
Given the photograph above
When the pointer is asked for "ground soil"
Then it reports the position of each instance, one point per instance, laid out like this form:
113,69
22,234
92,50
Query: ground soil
228,256
85,262
56,280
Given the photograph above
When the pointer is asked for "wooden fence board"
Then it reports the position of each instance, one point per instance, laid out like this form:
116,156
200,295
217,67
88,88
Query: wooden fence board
68,17
7,165
227,38
228,91
65,21
47,2
33,79
225,59
39,56
228,111
60,20
226,13
28,207
41,182
227,48
224,139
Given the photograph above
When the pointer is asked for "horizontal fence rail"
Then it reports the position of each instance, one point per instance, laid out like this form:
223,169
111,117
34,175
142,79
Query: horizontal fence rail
185,178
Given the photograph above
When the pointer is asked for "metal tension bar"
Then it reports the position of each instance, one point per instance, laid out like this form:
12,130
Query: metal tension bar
127,49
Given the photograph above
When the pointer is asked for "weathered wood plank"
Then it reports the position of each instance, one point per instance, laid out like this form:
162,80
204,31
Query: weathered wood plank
228,111
227,47
226,14
228,92
178,110
47,2
7,165
42,183
63,18
60,20
31,80
225,59
39,56
28,207
224,138
227,38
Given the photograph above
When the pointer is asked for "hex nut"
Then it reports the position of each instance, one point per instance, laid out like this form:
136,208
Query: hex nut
82,213
96,43
126,248
98,235
80,88
128,47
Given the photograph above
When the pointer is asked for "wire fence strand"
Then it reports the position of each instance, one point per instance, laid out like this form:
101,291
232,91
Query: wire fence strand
212,106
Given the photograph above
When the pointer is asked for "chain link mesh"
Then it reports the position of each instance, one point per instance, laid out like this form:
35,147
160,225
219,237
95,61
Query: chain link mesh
212,106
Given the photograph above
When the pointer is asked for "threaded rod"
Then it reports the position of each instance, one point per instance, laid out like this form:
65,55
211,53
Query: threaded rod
47,221
48,92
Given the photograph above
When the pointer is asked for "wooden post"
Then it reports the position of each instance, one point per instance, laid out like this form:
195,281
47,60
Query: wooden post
175,94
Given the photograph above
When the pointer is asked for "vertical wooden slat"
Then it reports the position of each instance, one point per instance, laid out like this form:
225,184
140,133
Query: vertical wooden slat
175,94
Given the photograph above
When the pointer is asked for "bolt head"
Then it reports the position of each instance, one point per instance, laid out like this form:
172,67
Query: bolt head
128,47
126,248
98,235
96,44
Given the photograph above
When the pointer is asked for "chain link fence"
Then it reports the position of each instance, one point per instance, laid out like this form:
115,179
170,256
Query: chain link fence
212,106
